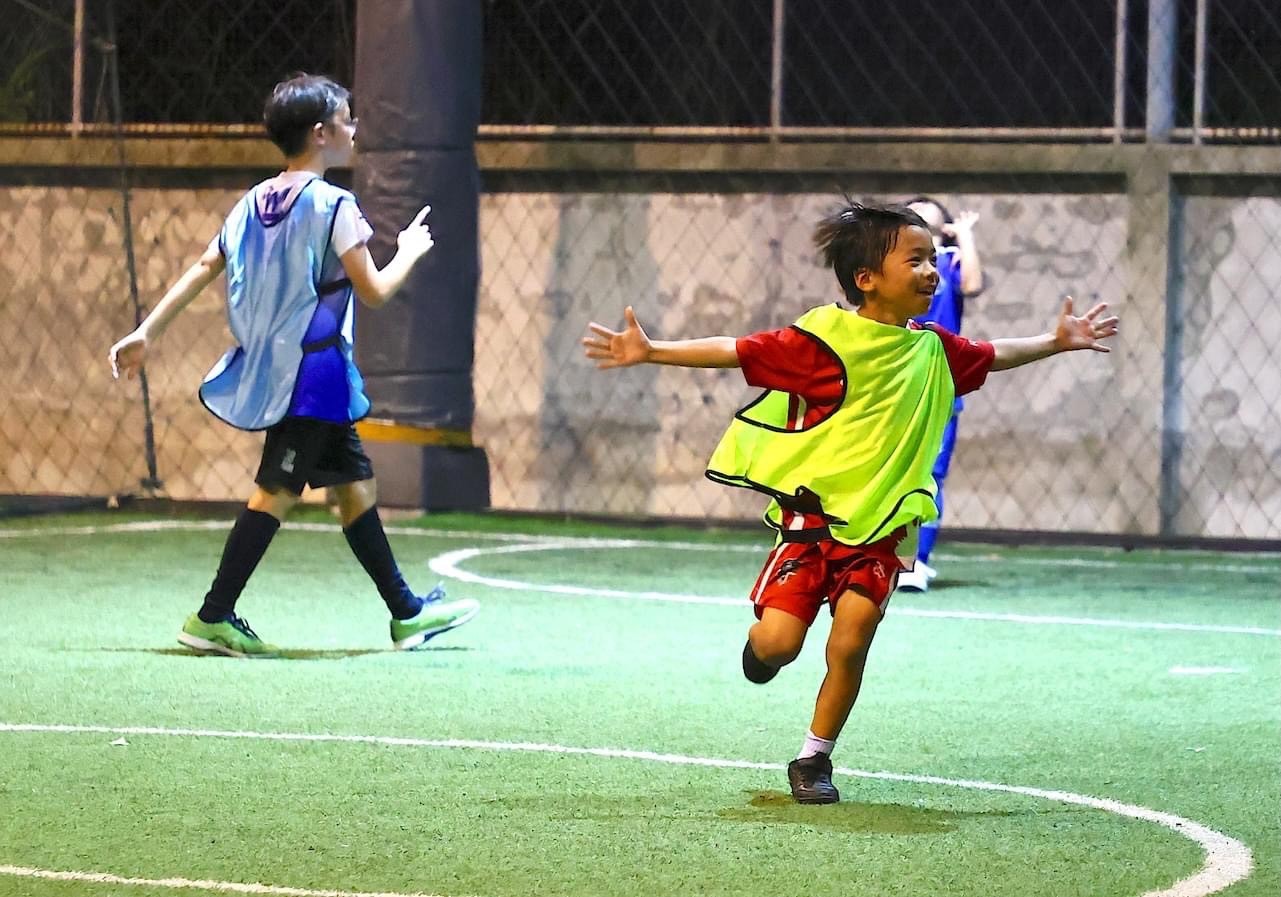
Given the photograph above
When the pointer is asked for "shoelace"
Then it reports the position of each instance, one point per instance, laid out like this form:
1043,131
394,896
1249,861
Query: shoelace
241,624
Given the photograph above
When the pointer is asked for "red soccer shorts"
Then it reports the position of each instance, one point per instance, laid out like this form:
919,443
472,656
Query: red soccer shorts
799,576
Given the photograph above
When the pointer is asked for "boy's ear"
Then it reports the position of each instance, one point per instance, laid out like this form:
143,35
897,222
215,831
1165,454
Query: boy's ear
863,279
318,133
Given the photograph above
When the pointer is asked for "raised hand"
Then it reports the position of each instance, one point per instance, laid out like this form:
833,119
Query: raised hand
416,237
1084,332
964,222
128,355
618,348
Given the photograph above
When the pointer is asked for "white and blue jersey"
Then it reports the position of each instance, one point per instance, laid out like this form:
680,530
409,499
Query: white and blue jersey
946,309
289,305
948,303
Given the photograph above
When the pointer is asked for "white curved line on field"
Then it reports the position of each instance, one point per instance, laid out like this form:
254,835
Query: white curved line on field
1226,862
151,526
198,884
449,564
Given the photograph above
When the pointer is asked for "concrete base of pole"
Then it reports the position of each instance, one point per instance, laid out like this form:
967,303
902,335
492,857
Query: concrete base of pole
431,477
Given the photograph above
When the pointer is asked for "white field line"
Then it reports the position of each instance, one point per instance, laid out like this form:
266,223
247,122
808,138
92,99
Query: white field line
150,526
1204,671
224,887
1226,861
449,564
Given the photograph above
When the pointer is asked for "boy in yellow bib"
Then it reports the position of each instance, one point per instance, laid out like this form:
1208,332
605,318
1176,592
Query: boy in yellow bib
843,442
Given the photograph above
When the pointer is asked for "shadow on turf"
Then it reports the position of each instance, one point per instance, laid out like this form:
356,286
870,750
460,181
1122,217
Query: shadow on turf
950,582
777,808
287,654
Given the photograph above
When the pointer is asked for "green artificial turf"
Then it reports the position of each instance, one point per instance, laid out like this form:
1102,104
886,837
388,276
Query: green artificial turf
90,626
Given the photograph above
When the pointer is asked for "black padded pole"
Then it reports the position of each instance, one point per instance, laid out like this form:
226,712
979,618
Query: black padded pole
417,94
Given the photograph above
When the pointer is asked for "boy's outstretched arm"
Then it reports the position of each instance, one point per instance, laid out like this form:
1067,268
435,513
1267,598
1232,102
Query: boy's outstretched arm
623,348
129,354
1071,333
374,287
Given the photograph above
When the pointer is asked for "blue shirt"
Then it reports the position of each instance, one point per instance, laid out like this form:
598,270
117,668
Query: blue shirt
948,302
289,306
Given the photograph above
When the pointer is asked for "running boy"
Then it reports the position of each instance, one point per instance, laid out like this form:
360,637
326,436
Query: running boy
295,249
843,441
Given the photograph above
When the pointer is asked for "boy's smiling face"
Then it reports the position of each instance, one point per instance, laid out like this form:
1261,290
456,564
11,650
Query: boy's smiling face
904,286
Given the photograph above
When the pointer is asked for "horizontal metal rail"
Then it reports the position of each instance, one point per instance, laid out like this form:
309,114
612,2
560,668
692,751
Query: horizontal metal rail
691,133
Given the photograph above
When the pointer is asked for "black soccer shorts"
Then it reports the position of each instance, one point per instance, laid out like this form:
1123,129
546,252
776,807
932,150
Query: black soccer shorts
302,451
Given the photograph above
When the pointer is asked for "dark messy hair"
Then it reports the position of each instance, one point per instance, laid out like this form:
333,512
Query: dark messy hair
298,103
943,210
860,235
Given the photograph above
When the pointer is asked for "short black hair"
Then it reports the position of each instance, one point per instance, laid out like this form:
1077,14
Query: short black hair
860,235
298,103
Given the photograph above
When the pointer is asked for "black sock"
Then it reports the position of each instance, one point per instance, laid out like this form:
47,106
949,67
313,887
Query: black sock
369,543
246,544
755,669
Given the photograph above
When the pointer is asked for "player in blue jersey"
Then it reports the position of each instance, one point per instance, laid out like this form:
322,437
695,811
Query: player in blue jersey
295,250
960,277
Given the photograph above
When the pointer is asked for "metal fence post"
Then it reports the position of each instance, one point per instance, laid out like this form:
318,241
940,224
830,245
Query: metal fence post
1198,84
78,70
1163,18
776,68
1118,83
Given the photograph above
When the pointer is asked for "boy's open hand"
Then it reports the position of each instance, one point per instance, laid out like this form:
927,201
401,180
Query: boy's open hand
128,355
964,223
1084,332
416,239
618,349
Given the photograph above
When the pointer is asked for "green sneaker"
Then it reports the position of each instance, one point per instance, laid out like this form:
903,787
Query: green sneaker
437,616
231,637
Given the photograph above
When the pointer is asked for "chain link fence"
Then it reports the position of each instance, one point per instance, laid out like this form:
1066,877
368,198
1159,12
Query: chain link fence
676,159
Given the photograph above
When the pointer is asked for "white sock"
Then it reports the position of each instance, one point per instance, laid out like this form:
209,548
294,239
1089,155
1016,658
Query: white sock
815,745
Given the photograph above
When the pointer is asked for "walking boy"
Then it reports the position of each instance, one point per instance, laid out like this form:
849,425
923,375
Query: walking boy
295,250
843,441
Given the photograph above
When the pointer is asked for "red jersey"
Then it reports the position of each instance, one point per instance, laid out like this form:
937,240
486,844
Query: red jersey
790,361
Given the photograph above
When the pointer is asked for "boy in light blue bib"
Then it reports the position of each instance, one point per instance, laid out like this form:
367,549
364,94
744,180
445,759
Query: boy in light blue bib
295,252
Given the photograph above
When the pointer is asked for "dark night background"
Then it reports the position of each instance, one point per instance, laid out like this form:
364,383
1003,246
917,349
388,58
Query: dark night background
674,62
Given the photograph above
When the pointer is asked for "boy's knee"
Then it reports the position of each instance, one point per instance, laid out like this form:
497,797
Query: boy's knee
276,501
848,647
776,654
855,623
777,645
355,498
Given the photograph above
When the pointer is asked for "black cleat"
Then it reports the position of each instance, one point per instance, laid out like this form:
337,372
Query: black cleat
755,669
811,780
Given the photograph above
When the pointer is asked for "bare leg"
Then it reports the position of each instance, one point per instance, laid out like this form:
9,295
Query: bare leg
847,646
278,503
776,638
354,499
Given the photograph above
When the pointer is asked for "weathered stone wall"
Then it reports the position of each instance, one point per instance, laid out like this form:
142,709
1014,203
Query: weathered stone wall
1073,443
